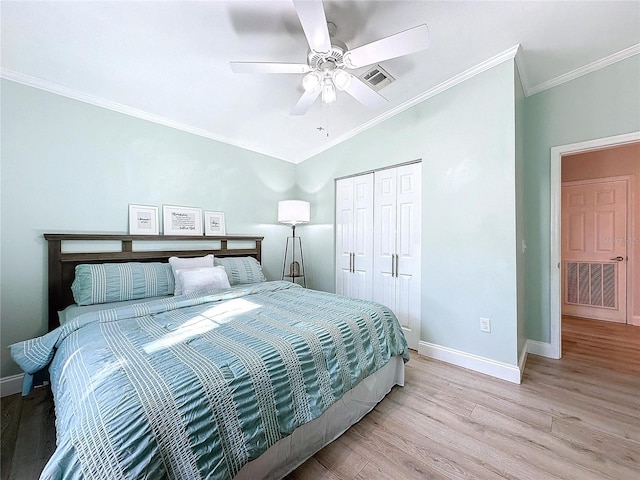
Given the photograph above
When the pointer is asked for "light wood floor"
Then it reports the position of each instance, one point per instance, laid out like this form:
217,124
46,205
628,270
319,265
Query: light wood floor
575,418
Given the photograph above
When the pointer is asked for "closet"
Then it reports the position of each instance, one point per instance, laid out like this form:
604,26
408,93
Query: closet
378,229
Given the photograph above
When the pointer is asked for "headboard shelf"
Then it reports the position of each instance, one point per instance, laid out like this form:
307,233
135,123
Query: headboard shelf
124,236
62,264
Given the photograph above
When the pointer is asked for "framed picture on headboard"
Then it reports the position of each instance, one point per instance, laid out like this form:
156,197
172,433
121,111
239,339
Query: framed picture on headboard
181,220
214,223
143,220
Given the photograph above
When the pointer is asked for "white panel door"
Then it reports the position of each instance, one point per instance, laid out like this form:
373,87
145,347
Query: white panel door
594,255
362,249
408,250
384,242
354,236
344,235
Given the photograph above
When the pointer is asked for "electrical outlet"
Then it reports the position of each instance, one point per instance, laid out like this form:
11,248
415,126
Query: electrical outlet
485,325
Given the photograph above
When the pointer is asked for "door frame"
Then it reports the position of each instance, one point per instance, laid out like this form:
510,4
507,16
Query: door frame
555,240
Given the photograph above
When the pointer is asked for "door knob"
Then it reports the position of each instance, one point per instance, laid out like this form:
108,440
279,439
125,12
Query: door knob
618,259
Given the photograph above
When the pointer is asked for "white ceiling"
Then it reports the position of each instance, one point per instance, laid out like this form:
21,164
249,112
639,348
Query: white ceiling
169,61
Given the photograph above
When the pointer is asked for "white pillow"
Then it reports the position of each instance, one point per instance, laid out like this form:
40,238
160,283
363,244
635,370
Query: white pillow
202,279
178,263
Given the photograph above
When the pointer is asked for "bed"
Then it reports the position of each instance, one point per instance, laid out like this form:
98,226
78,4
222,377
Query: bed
242,381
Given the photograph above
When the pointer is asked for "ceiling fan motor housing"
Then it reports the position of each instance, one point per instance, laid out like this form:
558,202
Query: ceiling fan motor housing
327,69
315,60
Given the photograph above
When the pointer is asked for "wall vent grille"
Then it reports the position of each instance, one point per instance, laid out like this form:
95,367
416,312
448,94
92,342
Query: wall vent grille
591,284
377,78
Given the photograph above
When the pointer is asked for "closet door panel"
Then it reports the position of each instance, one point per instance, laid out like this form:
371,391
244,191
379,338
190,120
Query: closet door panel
354,236
409,208
361,285
404,301
384,238
344,235
385,291
363,237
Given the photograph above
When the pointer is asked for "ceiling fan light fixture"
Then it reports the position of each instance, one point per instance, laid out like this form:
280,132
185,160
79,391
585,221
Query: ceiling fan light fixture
311,81
328,91
341,79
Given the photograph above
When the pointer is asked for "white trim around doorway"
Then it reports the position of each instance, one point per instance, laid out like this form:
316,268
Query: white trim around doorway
557,152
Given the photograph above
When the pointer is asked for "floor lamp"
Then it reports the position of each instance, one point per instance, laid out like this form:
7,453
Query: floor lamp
293,212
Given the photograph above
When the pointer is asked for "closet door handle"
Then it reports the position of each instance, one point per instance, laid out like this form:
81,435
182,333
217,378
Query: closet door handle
352,262
393,265
397,265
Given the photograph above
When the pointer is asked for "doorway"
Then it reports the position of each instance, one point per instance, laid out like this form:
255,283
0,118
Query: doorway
595,219
555,281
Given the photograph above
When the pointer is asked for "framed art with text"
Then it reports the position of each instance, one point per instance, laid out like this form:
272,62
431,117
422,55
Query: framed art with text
181,220
214,223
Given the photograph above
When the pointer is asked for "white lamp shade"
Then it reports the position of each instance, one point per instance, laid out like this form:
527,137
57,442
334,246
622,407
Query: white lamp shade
311,81
294,212
341,79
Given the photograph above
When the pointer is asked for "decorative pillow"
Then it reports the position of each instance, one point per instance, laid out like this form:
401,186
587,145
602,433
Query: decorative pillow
241,270
115,282
178,263
202,279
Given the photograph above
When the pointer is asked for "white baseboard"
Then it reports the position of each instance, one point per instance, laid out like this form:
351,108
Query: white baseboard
11,385
543,349
504,371
635,320
522,361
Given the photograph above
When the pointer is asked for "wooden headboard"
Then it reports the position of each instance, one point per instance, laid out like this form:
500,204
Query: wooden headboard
62,264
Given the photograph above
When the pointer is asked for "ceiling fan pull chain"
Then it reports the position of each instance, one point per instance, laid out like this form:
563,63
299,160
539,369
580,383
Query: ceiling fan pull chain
325,118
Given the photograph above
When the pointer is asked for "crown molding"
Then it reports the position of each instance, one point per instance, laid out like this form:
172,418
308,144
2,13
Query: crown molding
579,72
117,107
452,82
522,71
511,53
58,89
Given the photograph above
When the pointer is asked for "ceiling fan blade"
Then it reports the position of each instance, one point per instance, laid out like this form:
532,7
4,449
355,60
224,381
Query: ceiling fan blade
364,94
269,67
403,43
305,102
314,24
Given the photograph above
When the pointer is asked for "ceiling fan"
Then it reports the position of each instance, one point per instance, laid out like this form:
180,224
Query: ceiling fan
329,59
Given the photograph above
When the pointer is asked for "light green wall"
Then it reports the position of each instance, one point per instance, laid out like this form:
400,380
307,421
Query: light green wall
71,167
465,137
601,104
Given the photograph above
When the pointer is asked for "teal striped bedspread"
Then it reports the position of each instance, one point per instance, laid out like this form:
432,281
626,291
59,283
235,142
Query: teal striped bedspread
196,386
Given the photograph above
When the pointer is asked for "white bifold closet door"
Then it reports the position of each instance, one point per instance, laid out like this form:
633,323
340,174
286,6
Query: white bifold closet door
396,245
354,237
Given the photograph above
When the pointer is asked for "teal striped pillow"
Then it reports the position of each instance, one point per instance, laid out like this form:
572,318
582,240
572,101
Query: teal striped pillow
241,270
116,282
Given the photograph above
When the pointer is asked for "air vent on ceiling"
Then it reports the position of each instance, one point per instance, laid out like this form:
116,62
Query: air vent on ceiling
377,77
